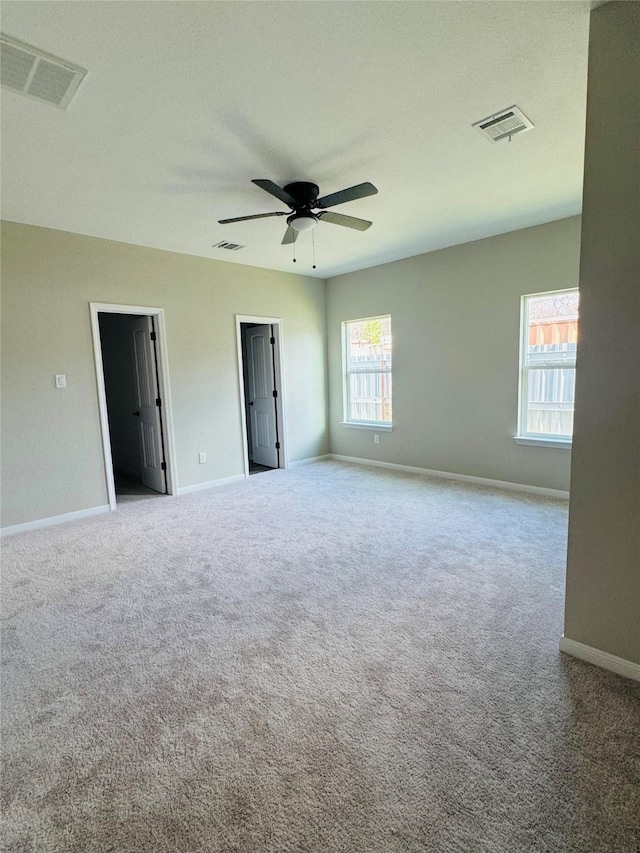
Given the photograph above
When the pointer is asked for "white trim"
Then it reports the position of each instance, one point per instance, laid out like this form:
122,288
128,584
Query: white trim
279,379
210,484
96,308
53,519
621,666
564,443
465,478
356,425
102,406
309,460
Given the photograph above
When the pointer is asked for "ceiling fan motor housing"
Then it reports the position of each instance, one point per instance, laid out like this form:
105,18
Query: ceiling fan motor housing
305,193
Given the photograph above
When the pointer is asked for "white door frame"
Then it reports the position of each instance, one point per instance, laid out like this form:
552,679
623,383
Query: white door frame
96,308
276,322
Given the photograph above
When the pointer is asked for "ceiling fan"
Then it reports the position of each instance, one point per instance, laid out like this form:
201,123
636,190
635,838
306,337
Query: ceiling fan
302,198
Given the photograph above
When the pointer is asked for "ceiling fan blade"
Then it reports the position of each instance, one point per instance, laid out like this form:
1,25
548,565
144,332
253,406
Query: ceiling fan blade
347,221
275,190
350,194
290,236
255,216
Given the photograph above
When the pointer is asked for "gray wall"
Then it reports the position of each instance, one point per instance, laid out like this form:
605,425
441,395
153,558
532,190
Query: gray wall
116,337
603,573
52,460
455,326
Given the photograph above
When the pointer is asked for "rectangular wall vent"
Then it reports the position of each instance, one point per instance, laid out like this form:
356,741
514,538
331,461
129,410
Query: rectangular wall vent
223,244
503,125
36,74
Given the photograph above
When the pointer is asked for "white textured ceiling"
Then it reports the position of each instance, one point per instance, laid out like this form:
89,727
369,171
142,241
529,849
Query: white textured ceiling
186,102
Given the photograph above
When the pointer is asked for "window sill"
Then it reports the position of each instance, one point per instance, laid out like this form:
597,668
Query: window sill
543,442
377,427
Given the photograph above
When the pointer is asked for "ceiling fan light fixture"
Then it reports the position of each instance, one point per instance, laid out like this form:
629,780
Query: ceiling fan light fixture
303,222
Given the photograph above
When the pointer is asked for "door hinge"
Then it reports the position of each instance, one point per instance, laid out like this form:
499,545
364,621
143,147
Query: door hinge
158,402
163,466
277,445
272,341
153,336
275,393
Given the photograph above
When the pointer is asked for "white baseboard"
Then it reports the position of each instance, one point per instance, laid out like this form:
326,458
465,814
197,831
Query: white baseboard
600,658
465,478
309,459
53,519
210,484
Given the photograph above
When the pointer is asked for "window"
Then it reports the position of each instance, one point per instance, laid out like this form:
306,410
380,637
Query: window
366,348
548,335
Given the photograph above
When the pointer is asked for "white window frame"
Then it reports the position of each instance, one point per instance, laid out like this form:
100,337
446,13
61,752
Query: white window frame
346,402
523,436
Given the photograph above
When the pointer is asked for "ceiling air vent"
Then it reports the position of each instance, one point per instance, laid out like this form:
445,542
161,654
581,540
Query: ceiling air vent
36,74
223,244
504,125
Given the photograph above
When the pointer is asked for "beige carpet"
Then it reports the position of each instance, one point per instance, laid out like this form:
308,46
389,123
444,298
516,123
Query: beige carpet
327,659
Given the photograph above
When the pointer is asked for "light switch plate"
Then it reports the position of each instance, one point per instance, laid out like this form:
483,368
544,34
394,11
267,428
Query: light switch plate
61,380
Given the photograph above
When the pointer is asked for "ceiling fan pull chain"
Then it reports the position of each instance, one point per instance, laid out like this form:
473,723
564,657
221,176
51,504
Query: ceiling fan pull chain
313,243
293,246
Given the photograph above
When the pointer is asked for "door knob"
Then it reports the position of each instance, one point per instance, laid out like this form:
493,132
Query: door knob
137,414
251,403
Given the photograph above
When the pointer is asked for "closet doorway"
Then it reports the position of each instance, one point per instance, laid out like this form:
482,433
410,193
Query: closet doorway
135,408
261,393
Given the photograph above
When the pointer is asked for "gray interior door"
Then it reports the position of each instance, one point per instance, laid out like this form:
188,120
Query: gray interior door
261,402
148,411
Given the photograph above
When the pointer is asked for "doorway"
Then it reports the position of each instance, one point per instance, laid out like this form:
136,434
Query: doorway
261,393
134,403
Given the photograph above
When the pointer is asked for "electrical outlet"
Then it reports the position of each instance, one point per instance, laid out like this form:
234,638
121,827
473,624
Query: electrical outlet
202,458
376,439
